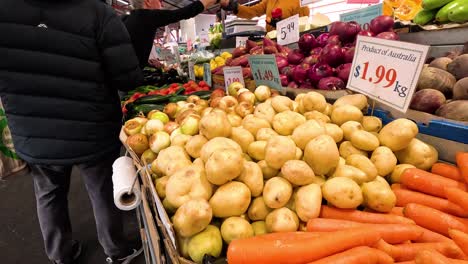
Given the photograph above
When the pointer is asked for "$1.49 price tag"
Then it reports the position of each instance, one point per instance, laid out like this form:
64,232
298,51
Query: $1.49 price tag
387,70
233,74
265,71
288,30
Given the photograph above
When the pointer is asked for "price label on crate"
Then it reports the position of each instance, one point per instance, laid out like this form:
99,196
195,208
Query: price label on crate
265,71
241,41
233,74
207,73
191,70
387,70
288,30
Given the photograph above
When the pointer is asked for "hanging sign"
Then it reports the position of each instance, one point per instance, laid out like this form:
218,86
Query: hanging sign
288,30
387,70
363,16
265,71
233,74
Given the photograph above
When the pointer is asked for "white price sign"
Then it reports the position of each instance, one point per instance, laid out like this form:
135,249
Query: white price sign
288,30
241,41
233,74
387,70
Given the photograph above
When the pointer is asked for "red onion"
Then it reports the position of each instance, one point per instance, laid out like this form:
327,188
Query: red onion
312,59
288,71
293,85
388,35
270,50
295,57
332,55
256,51
322,40
281,62
352,29
337,28
306,43
343,71
249,45
284,80
331,83
300,73
319,71
366,33
306,85
316,51
381,24
237,52
268,42
348,54
334,40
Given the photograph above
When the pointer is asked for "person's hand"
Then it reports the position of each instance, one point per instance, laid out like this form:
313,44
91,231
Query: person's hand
208,3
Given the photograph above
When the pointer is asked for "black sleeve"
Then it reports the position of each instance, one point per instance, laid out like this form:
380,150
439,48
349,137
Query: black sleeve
118,56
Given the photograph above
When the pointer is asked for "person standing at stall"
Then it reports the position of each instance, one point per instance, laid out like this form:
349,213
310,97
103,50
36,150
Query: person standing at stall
275,10
62,62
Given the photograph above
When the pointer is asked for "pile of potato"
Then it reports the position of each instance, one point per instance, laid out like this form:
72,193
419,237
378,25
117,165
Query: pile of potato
257,163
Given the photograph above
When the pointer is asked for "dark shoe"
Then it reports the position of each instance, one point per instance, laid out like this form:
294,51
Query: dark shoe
77,249
125,260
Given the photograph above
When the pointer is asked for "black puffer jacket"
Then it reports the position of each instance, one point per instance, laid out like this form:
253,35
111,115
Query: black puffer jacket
61,64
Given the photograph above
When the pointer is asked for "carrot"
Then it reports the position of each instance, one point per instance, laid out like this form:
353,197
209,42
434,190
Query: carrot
362,217
447,171
391,233
357,255
405,252
397,211
434,257
460,238
267,250
458,197
431,236
427,182
433,219
462,163
290,235
405,197
397,186
406,262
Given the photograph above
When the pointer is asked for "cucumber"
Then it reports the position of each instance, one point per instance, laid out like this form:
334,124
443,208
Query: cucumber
434,4
442,15
146,108
178,98
152,99
424,16
459,14
201,93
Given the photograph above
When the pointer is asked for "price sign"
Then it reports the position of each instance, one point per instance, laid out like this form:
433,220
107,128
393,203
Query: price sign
363,16
175,49
191,70
288,30
265,71
204,39
387,70
241,41
165,55
207,73
233,74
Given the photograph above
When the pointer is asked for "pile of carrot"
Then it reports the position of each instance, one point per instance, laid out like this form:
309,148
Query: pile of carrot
428,225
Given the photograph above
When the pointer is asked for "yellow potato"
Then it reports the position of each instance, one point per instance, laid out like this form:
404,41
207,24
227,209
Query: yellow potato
357,100
291,205
322,154
364,140
282,220
230,199
308,202
334,131
382,180
419,154
364,164
350,172
171,160
279,149
349,128
194,145
192,217
170,209
252,177
314,101
384,160
161,184
285,122
207,242
299,153
316,115
224,165
256,150
277,192
180,140
258,209
306,132
259,228
342,192
215,124
282,103
187,184
264,134
378,196
217,144
242,137
265,111
347,149
236,228
267,171
253,124
297,172
328,110
372,123
234,119
398,171
346,113
398,134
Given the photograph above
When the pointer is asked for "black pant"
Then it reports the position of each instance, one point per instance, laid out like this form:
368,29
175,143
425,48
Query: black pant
51,185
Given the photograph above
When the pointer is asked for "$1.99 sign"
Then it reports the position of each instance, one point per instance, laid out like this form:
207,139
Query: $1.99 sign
387,70
265,71
233,74
288,30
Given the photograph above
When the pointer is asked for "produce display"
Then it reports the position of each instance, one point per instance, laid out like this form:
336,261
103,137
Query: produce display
251,172
161,76
404,10
442,11
216,62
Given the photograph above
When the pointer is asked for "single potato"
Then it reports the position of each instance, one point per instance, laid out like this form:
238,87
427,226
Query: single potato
353,173
259,228
372,123
258,210
230,199
285,122
171,160
384,160
334,131
194,145
419,154
215,124
346,113
242,137
282,103
170,209
278,150
236,228
264,134
328,110
207,242
382,180
224,165
299,153
267,171
364,164
180,140
308,202
256,150
252,177
349,128
364,140
313,101
216,144
378,196
282,220
398,134
347,149
306,132
322,154
398,171
253,124
318,116
277,192
357,100
161,184
187,184
342,192
265,111
297,172
192,217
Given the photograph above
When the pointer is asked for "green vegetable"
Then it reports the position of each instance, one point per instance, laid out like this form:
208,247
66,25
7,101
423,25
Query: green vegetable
459,13
146,108
152,99
442,15
201,93
177,98
434,4
424,17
